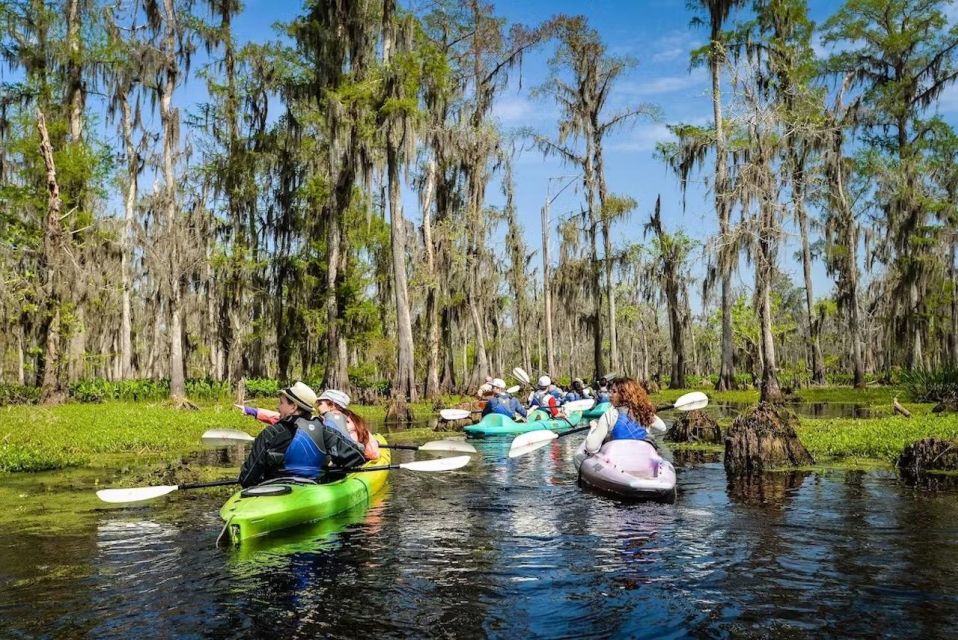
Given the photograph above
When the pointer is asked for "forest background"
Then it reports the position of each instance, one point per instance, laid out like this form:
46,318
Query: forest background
191,202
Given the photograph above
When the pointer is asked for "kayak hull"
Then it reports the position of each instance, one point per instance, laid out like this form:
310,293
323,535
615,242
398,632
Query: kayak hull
296,501
627,469
496,424
597,411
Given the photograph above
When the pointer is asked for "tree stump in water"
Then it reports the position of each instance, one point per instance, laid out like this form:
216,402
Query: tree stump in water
398,411
930,454
947,405
763,440
695,426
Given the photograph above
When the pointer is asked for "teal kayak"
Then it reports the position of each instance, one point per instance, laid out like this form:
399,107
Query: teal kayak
597,410
496,424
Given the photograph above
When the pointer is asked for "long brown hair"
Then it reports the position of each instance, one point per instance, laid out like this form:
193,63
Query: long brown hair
362,429
633,397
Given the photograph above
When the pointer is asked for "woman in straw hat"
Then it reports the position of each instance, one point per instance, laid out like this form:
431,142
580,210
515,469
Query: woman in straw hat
297,444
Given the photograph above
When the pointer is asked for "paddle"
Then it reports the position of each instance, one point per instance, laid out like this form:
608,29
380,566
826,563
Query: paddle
138,494
529,442
461,414
520,374
225,437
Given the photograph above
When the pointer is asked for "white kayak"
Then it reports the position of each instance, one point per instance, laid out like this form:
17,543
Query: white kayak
630,469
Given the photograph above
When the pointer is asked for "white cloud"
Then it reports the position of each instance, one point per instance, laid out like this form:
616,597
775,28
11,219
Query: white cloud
643,138
664,84
513,110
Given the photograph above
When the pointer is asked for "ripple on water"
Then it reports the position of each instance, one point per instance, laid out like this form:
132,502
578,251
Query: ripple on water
511,548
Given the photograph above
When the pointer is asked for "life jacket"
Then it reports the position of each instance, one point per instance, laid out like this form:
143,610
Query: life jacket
602,396
501,404
336,420
626,428
306,456
572,396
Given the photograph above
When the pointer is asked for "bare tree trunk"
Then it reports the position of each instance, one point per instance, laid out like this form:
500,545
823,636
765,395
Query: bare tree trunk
169,119
798,199
51,268
126,322
771,392
432,292
590,190
21,360
726,379
546,287
406,373
953,335
75,97
607,251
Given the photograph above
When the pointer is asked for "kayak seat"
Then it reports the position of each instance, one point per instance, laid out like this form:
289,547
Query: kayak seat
267,490
288,480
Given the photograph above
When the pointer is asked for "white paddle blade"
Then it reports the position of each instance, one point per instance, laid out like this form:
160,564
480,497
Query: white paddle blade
459,446
513,389
529,442
225,437
454,414
658,426
578,405
134,495
440,464
520,374
692,401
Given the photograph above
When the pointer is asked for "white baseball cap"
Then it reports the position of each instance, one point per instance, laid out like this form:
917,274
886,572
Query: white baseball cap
498,383
339,398
544,382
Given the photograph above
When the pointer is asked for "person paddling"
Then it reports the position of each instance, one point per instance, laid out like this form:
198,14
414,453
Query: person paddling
503,403
578,392
602,392
546,397
297,444
630,415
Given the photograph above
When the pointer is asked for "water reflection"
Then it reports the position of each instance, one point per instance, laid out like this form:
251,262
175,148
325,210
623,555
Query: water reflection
771,489
510,548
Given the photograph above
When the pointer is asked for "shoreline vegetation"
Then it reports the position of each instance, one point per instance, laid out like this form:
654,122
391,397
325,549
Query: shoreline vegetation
104,435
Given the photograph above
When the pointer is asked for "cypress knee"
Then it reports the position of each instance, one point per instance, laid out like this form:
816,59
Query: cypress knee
762,440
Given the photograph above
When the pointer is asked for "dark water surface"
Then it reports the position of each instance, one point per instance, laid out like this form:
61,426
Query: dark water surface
508,549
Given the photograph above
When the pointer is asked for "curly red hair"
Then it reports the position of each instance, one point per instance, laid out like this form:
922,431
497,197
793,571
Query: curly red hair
633,397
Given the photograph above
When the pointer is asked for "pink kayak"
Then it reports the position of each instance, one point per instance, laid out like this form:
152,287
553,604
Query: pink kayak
630,469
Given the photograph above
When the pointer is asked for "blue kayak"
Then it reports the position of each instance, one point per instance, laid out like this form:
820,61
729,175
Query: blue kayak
496,424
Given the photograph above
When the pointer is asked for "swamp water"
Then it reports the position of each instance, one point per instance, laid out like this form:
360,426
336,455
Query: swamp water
500,549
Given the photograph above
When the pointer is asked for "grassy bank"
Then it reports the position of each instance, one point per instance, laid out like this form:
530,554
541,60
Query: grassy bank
37,438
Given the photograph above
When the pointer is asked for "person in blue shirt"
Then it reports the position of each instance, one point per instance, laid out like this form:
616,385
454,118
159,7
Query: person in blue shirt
547,397
503,403
602,391
579,392
298,445
628,419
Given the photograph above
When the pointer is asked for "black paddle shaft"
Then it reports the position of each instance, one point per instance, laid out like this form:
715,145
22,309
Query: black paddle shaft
203,485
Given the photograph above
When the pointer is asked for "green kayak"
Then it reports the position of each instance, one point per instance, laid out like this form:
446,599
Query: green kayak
496,424
597,410
283,503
